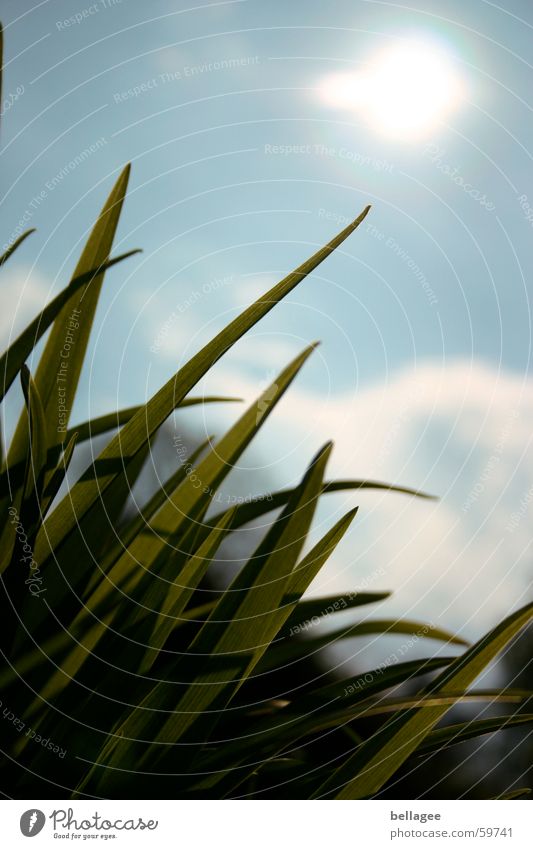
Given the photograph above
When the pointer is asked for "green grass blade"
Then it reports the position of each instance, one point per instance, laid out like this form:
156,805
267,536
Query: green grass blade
113,421
58,475
423,702
307,570
179,593
147,569
311,611
37,426
64,675
356,688
23,493
18,352
284,733
16,244
100,608
287,651
229,644
460,732
189,500
365,772
140,523
261,505
306,715
66,346
185,500
138,431
258,506
519,793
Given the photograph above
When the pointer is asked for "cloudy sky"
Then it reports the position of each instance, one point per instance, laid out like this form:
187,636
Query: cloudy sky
256,131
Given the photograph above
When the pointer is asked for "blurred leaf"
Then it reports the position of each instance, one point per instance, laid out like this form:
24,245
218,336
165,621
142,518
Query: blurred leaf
284,733
97,613
179,593
519,793
291,649
258,506
323,607
25,491
306,714
228,645
365,772
37,455
189,500
140,524
113,421
16,244
451,735
59,474
18,352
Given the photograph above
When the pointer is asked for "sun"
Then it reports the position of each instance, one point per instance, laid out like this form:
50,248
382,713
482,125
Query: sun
404,92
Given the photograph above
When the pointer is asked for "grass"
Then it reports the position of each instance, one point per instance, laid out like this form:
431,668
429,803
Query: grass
124,677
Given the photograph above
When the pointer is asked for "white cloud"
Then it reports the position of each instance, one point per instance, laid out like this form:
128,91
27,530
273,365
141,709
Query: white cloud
24,294
461,431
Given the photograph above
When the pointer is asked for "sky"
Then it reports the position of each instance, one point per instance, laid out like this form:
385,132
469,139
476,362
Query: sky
256,131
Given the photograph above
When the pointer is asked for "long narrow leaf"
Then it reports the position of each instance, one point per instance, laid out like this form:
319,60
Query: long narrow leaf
18,352
179,593
312,611
305,715
460,732
175,517
230,642
16,244
112,421
61,362
365,772
25,488
288,651
519,793
71,513
100,606
59,474
255,507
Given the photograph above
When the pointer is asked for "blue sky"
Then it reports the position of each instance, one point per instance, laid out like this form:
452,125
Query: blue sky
240,171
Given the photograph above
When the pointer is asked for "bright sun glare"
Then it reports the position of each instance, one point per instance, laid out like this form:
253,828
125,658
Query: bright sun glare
404,92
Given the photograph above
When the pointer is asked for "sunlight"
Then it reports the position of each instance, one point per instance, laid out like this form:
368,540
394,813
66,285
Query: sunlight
404,92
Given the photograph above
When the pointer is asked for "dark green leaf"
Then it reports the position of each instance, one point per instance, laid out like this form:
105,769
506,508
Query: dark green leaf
16,244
